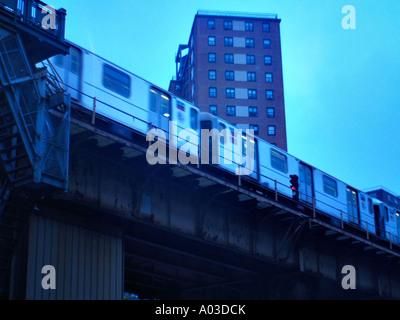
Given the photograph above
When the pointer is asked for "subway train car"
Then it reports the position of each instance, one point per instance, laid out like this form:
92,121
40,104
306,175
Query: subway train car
121,96
130,101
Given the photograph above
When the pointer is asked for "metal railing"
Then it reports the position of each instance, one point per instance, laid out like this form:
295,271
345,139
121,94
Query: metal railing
36,14
55,82
345,219
342,217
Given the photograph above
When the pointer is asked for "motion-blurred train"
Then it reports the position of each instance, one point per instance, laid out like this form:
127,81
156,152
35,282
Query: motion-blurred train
130,101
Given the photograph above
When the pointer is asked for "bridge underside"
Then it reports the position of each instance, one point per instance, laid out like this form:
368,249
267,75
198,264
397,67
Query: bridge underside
187,235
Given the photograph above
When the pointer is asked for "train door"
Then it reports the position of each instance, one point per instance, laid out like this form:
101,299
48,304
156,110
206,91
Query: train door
352,205
305,183
379,220
160,109
207,125
250,156
223,157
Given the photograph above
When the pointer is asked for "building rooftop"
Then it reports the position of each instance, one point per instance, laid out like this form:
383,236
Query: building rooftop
237,14
376,188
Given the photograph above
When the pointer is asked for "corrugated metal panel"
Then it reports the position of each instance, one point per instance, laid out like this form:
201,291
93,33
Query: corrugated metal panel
88,264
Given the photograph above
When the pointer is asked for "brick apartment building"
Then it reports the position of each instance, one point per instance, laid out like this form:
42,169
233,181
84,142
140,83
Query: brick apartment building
232,67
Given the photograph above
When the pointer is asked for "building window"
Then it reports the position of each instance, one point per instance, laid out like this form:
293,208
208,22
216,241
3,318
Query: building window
228,42
212,92
267,44
231,111
249,26
178,87
228,58
228,25
250,59
230,93
271,112
213,110
271,130
251,76
252,93
330,186
229,75
268,77
211,24
212,57
266,27
269,94
249,43
268,60
279,161
116,81
255,128
212,74
211,41
253,112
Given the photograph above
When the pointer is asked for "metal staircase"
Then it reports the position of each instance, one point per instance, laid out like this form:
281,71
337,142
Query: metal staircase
34,123
34,142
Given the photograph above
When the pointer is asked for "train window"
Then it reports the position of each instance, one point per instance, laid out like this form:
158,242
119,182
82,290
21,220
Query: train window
160,102
165,106
75,64
193,119
330,186
244,145
153,100
221,127
370,206
233,135
250,139
386,214
116,81
279,161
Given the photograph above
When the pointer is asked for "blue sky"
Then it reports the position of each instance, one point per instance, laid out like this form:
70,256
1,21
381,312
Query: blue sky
341,86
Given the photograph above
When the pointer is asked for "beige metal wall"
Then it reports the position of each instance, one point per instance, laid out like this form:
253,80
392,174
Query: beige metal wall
88,264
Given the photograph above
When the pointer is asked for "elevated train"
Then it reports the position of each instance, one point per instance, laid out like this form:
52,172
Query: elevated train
133,102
